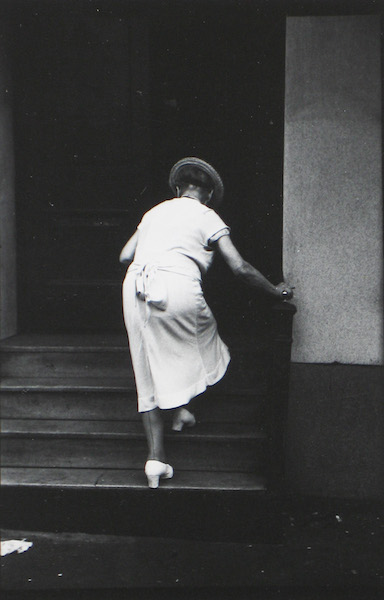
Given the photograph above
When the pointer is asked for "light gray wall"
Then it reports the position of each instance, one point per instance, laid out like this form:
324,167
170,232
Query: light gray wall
7,197
333,188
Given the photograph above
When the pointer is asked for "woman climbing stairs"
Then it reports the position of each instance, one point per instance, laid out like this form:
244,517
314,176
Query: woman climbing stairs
72,441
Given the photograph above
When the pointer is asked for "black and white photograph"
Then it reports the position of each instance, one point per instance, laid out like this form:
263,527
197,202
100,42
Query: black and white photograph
191,300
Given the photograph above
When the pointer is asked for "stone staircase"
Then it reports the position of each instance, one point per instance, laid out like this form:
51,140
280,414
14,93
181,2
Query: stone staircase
73,444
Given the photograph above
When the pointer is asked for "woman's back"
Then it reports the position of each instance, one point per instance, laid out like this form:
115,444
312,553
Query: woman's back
178,228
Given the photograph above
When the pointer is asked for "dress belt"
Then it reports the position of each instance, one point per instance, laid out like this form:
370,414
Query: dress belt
151,288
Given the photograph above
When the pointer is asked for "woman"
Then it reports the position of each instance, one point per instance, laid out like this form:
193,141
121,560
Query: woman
175,346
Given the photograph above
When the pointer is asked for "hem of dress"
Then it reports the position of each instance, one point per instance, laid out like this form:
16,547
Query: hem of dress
182,398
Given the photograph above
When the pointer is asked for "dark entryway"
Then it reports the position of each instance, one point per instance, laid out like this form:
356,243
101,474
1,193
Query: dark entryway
105,101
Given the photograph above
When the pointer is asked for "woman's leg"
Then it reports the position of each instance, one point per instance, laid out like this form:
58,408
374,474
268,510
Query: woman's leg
154,429
155,467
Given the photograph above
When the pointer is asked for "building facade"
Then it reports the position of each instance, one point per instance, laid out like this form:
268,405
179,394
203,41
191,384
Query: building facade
97,103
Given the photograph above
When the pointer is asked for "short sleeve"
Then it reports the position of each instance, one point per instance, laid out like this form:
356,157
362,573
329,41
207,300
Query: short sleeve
213,227
218,235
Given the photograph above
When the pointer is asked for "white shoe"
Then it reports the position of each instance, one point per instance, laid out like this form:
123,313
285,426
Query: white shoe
155,470
183,418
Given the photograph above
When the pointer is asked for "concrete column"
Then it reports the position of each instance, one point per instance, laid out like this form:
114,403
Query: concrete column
333,188
333,255
8,309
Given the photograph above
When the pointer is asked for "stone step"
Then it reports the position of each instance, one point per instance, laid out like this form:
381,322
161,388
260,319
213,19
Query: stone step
66,355
186,451
193,505
36,342
67,384
211,406
66,363
128,479
68,406
103,357
228,385
117,429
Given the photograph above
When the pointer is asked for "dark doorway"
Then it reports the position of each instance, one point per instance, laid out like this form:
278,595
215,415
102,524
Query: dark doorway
78,172
105,101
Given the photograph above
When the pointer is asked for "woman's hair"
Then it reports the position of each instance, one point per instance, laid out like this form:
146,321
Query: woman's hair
195,176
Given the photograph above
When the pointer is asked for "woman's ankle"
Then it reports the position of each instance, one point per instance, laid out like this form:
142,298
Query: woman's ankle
157,457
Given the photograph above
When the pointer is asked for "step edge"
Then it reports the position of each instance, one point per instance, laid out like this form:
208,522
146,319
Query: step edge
65,348
169,487
8,384
31,436
61,387
95,475
209,469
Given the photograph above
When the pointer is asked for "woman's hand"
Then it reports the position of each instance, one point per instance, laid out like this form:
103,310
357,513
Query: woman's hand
284,291
128,252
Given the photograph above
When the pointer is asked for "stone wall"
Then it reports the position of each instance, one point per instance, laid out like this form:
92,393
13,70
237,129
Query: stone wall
336,431
333,255
333,188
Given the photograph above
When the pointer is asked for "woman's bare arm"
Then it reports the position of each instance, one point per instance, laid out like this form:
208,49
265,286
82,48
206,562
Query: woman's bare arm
246,272
128,252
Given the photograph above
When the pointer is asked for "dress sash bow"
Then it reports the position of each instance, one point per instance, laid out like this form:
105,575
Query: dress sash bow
150,287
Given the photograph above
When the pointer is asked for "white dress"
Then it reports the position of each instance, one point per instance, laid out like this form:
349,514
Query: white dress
175,346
